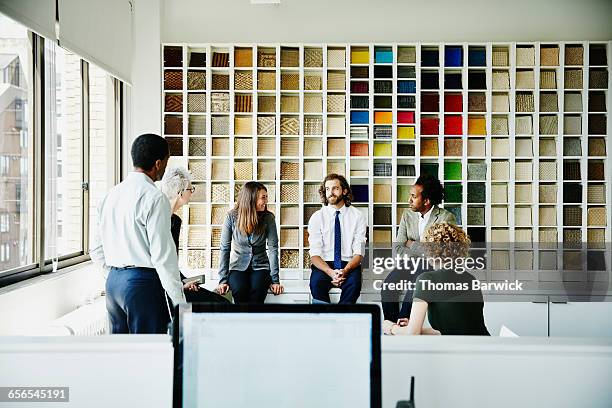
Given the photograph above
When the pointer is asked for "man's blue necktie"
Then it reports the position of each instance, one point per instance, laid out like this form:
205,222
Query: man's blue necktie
337,243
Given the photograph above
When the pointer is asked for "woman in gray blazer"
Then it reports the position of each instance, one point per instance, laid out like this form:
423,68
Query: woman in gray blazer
246,267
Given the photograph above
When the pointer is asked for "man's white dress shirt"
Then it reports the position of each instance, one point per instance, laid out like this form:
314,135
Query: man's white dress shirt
321,229
423,219
134,230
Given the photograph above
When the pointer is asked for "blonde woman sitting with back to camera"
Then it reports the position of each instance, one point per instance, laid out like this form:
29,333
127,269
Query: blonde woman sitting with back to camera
444,295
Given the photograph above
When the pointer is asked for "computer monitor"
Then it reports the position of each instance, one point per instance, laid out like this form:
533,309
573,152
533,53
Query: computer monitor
277,355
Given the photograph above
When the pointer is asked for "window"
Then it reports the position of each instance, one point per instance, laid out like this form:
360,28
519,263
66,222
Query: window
4,222
102,172
61,232
5,253
63,166
17,181
4,165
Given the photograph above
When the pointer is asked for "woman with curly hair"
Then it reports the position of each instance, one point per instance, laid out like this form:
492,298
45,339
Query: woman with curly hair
445,294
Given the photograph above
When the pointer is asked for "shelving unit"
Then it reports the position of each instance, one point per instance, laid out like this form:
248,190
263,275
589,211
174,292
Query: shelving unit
518,132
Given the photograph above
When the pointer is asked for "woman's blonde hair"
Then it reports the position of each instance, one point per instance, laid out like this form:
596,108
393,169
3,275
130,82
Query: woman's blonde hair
447,241
249,221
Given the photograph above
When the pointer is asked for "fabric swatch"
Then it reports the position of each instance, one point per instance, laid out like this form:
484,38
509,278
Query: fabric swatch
173,103
429,147
476,193
453,147
476,215
453,193
452,170
548,102
453,56
571,146
522,193
598,78
453,102
173,56
597,124
476,171
430,102
406,55
525,56
196,125
386,86
173,80
430,57
548,79
597,54
406,102
429,168
574,55
406,72
453,125
360,72
572,125
597,146
290,57
382,215
477,102
173,125
500,57
477,79
430,125
501,79
548,193
595,170
548,170
500,147
524,102
430,80
523,147
572,192
572,216
451,80
549,56
548,125
499,125
406,150
597,101
573,79
243,57
313,57
477,125
499,193
360,193
548,147
477,56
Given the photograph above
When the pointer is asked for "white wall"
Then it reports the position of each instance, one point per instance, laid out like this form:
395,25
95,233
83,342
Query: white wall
146,73
31,305
385,20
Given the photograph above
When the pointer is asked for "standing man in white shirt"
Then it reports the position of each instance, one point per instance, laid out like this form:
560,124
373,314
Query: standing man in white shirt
337,237
135,247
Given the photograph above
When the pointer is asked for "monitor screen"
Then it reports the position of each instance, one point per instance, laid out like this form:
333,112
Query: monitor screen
283,358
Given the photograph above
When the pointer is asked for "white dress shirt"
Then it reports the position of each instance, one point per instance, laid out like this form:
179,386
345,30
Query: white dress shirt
321,230
134,230
423,222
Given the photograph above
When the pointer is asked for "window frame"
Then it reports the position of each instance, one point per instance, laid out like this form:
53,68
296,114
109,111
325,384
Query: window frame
42,263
